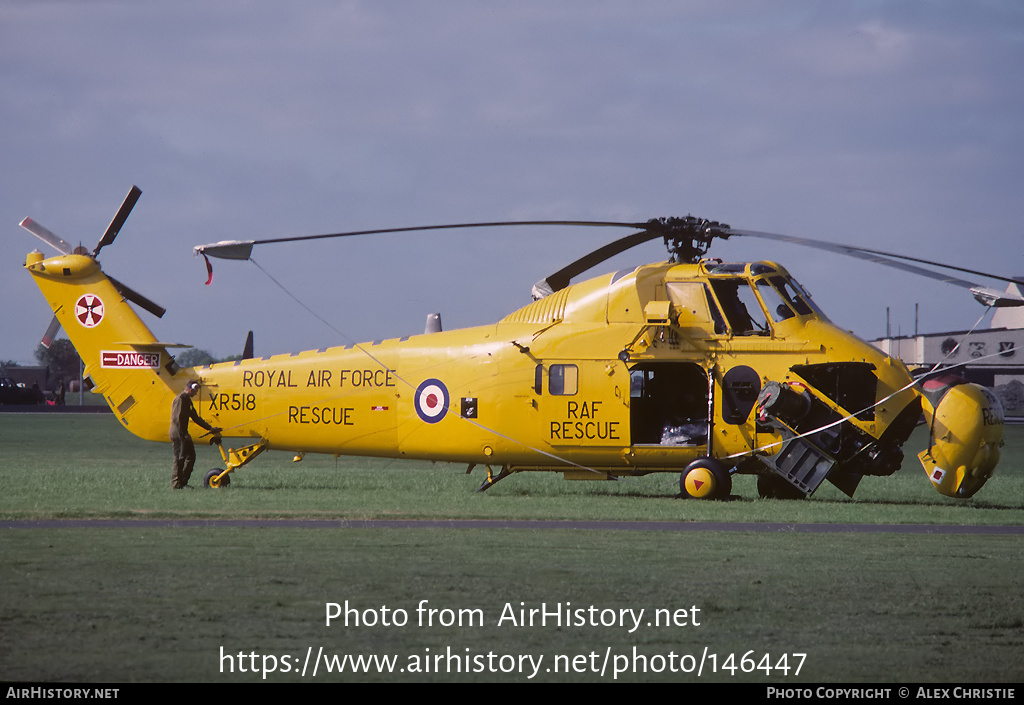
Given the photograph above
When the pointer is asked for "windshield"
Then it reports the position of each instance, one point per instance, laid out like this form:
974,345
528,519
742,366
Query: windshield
797,297
779,308
784,298
735,309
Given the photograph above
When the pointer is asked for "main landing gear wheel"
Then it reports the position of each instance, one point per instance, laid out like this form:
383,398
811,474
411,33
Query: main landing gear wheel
212,482
705,478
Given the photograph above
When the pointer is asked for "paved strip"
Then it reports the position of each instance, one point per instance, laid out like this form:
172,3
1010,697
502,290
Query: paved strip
548,524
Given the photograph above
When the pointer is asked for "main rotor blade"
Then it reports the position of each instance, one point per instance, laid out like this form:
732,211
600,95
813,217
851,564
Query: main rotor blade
46,236
985,295
871,255
240,249
687,239
560,279
118,222
137,298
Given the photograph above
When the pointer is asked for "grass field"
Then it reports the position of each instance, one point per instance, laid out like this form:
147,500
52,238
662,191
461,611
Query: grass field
137,603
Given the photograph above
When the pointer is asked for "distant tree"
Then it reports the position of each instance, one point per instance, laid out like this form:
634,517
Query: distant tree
4,364
194,357
61,358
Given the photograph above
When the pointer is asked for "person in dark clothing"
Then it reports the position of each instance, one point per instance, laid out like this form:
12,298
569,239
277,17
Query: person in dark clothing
181,443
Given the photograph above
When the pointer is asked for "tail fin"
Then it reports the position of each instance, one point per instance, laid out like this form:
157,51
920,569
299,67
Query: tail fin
122,358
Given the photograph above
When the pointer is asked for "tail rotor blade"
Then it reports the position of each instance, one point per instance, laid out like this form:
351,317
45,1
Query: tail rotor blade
247,351
51,332
119,218
46,236
137,298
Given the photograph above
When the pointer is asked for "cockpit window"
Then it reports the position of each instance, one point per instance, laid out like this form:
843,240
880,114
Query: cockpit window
798,299
740,306
695,298
732,306
777,307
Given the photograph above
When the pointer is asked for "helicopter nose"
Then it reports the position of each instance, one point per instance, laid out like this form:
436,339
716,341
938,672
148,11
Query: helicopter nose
966,434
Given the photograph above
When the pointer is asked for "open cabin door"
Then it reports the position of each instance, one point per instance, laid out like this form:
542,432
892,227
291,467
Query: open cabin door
669,405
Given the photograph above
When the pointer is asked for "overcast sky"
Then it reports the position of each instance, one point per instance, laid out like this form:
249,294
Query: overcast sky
893,125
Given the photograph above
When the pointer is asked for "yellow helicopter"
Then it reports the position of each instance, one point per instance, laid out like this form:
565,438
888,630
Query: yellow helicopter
690,366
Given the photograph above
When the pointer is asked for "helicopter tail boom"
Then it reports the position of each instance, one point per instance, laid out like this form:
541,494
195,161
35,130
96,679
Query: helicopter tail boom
122,359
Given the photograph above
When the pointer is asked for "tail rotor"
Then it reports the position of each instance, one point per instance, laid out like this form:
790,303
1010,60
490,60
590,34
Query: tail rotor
111,232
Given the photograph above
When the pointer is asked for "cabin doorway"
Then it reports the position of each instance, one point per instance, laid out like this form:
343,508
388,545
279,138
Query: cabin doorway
668,404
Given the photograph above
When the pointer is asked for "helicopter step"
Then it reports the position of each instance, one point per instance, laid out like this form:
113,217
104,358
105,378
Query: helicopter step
804,459
492,479
802,464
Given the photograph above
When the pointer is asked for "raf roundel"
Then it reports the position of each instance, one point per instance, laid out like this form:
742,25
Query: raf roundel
89,310
431,400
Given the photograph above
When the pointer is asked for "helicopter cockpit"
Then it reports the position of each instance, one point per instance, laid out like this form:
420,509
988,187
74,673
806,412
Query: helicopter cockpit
743,299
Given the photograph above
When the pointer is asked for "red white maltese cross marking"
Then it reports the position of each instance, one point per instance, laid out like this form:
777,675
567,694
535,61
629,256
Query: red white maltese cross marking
89,310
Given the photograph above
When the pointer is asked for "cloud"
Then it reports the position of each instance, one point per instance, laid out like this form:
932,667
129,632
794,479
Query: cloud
874,124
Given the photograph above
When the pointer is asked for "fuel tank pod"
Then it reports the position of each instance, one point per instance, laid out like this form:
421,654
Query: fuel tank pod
965,434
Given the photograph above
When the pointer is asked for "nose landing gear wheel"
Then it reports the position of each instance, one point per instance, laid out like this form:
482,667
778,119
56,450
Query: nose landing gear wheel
705,478
212,482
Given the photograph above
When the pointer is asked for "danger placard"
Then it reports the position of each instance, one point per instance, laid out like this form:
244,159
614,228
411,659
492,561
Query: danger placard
129,360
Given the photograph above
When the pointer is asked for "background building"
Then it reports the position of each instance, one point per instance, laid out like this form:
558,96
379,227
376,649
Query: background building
991,356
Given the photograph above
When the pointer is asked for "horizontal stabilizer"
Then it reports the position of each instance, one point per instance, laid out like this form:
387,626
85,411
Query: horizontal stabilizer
151,344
